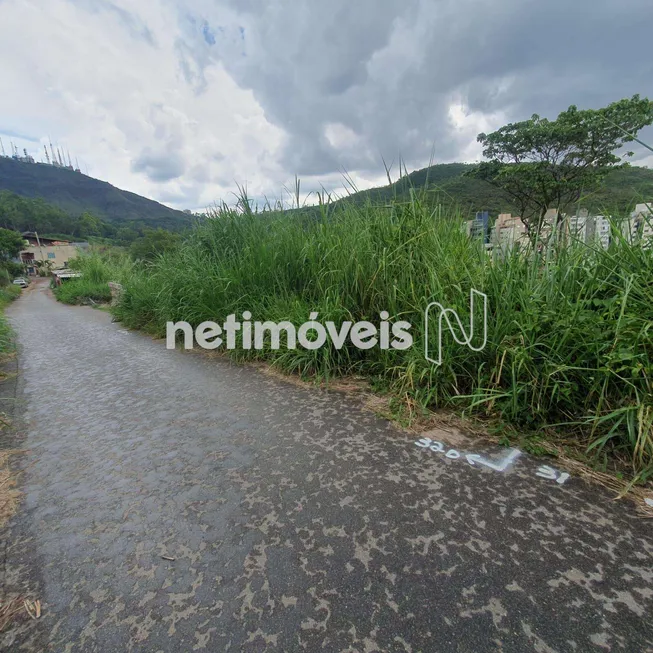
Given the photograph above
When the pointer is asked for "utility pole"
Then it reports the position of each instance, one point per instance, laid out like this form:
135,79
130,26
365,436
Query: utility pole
47,156
39,244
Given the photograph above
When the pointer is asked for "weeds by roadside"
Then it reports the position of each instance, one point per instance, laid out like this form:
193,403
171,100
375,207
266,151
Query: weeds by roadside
7,295
569,341
97,270
80,291
12,608
9,493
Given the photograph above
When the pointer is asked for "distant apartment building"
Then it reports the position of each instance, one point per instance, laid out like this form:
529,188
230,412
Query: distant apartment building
509,230
599,230
577,225
479,227
593,230
640,226
49,251
550,224
588,229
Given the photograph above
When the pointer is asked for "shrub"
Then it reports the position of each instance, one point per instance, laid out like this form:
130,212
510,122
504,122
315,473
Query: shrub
97,270
7,295
569,340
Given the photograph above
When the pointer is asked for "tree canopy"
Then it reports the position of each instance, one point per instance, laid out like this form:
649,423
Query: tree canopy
34,214
541,164
11,243
152,243
28,214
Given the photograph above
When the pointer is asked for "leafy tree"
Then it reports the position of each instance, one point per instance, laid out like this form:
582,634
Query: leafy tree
126,235
11,243
88,225
14,269
152,243
34,214
26,214
541,164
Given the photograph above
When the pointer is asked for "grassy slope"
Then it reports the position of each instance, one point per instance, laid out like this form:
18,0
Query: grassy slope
97,270
7,295
75,193
569,333
9,495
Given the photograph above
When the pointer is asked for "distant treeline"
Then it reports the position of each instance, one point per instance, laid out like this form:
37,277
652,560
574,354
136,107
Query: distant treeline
26,214
451,185
75,193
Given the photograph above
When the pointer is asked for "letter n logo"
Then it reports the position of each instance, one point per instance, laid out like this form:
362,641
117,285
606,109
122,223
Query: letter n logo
436,310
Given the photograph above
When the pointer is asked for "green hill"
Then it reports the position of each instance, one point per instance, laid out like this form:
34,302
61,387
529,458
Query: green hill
76,193
620,191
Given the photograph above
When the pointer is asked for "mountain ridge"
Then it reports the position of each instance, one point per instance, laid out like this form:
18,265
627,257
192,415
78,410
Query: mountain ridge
77,193
621,189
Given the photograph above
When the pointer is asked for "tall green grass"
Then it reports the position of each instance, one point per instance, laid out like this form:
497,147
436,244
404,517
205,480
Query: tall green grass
97,269
7,294
569,332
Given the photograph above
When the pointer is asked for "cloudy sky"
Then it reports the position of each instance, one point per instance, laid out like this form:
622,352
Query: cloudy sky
181,101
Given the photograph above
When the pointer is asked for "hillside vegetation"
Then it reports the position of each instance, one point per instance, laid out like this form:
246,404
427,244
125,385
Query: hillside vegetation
567,354
619,192
568,343
75,193
26,214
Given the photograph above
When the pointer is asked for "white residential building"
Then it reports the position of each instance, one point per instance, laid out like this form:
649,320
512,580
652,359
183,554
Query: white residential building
601,231
589,229
639,227
508,231
577,225
641,223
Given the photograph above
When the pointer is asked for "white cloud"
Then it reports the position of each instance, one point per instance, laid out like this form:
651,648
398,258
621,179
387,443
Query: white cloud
120,102
467,124
180,101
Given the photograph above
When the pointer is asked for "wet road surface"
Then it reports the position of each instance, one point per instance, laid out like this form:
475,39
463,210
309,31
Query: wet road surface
295,520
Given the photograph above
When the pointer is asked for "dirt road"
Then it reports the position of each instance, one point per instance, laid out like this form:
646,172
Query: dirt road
177,503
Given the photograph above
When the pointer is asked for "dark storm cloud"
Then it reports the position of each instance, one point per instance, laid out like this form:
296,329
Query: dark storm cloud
388,72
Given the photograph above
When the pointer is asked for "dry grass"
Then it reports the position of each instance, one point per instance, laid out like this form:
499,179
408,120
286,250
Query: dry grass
5,357
621,487
9,494
12,608
17,607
